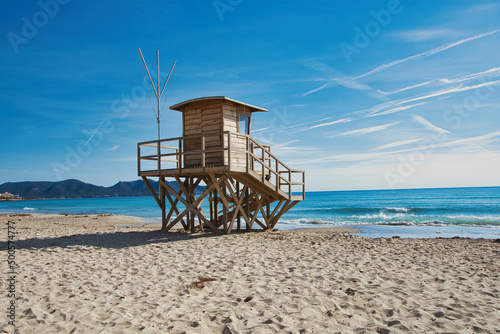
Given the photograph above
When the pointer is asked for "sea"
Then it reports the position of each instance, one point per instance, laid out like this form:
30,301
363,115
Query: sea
412,213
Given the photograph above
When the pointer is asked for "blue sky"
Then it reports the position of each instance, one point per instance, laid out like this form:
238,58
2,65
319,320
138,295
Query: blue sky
362,95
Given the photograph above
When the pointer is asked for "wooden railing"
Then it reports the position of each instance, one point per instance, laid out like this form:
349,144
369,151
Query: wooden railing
236,152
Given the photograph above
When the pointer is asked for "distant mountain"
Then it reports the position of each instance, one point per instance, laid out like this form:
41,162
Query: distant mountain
78,189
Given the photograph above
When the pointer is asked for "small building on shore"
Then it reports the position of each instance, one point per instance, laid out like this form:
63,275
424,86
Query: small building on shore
9,197
244,181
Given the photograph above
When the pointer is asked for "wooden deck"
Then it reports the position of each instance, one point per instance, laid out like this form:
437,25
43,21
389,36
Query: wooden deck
242,181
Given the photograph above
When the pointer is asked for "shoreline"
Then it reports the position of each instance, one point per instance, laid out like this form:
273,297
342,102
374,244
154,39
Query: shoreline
92,274
366,230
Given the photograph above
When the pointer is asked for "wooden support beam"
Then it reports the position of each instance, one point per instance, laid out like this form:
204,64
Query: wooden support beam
182,186
173,205
256,212
238,200
190,199
238,208
219,190
276,208
163,206
260,224
151,190
190,207
247,207
176,220
283,210
224,209
238,227
266,218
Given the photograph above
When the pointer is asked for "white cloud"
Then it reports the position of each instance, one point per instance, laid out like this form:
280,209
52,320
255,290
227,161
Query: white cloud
261,129
337,78
406,88
393,110
493,72
478,140
426,53
429,147
453,90
350,82
114,148
397,143
343,120
439,170
459,89
428,125
470,140
365,130
419,35
317,89
284,145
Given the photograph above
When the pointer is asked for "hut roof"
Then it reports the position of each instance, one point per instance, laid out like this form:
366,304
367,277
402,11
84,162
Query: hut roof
180,106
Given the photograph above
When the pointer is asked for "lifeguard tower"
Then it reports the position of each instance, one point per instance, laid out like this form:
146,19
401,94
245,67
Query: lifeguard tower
243,178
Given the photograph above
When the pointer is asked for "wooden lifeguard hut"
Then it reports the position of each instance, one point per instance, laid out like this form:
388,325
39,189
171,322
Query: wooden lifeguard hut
244,181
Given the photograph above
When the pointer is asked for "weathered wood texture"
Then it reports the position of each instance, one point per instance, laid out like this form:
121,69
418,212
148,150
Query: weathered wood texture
202,118
212,116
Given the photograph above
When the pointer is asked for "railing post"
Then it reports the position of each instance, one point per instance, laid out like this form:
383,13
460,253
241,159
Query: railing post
263,165
247,154
158,152
229,150
278,180
179,157
203,151
139,159
290,184
303,185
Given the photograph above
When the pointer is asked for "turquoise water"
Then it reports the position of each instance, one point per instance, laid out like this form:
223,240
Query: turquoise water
465,212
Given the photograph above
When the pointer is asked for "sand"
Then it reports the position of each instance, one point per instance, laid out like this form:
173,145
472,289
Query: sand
89,274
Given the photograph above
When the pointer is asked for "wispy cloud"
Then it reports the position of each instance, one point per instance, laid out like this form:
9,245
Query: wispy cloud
286,144
491,73
428,125
426,53
420,35
407,88
452,90
380,108
478,140
337,78
365,130
350,82
317,89
343,120
261,129
114,148
396,144
370,156
393,110
471,140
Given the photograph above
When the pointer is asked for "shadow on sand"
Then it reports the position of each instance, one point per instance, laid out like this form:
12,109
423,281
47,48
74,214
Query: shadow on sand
115,240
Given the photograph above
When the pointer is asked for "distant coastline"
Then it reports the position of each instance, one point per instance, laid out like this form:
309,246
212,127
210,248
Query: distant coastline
29,190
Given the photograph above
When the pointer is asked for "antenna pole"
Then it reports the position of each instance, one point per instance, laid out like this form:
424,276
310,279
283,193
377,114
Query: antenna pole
158,96
156,89
168,77
149,75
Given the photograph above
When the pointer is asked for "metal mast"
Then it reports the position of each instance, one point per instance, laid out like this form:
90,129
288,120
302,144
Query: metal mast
156,89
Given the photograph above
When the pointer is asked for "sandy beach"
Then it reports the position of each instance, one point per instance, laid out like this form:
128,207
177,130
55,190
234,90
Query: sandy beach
91,274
